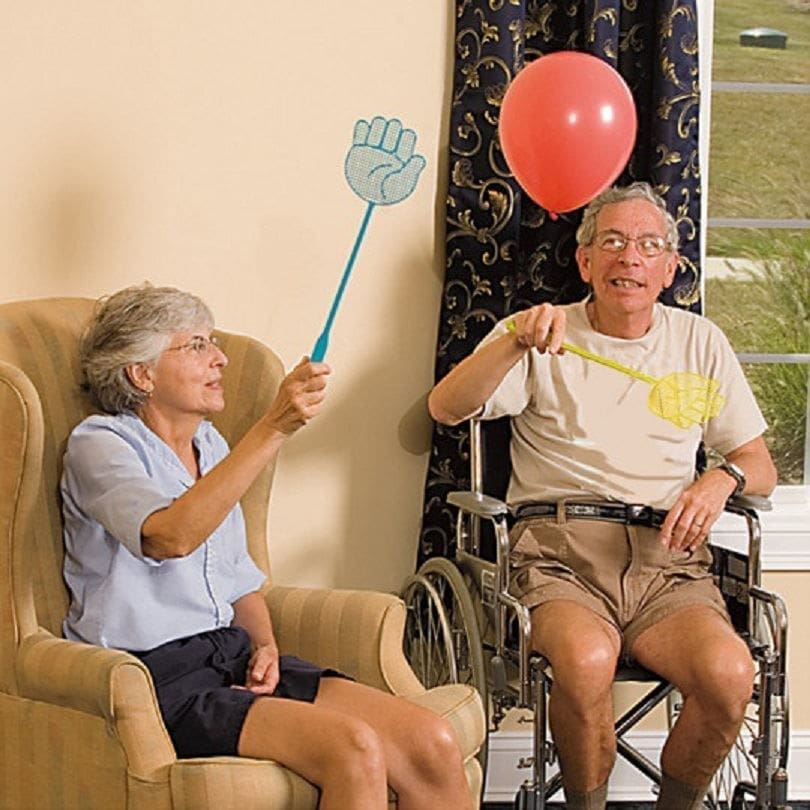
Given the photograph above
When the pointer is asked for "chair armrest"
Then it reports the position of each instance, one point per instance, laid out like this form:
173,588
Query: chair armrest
66,673
110,684
358,633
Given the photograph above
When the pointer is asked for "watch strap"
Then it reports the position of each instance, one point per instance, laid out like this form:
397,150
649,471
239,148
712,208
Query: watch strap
736,473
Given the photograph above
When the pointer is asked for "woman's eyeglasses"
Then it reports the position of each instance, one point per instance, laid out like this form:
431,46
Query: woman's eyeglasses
649,245
198,346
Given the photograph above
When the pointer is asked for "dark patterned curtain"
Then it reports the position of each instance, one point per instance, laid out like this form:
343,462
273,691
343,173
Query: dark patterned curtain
504,253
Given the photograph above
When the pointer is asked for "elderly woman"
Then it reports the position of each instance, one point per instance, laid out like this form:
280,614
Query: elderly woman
157,564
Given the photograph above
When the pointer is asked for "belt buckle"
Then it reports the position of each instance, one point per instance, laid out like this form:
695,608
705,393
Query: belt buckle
638,513
582,510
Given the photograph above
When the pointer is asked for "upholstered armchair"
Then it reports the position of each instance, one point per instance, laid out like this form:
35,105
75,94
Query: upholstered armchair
79,725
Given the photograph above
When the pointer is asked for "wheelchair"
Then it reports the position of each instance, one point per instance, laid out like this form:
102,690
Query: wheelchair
463,625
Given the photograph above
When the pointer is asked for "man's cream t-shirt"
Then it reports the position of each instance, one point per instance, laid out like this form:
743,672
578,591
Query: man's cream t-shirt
582,430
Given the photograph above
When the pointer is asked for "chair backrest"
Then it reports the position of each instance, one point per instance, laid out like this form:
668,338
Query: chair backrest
41,401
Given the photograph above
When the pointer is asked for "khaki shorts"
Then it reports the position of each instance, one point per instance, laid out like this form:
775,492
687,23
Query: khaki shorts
620,572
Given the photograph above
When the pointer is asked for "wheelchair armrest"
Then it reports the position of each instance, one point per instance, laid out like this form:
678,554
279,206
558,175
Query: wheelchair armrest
478,504
756,502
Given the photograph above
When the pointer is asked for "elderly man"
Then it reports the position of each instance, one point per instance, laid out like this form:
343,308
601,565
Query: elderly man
584,441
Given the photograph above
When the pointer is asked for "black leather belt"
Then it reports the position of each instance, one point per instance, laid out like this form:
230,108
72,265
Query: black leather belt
634,514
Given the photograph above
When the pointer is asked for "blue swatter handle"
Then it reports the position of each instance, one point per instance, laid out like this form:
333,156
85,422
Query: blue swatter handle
322,343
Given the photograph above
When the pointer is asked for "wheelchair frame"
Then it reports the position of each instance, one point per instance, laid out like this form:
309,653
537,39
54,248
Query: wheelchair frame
464,625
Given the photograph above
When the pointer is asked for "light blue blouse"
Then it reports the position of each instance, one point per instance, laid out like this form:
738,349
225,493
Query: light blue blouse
117,472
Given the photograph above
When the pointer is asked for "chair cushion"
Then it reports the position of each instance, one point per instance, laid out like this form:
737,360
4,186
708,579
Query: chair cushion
236,782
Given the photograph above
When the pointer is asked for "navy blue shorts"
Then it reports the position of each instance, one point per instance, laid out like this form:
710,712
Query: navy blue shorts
193,678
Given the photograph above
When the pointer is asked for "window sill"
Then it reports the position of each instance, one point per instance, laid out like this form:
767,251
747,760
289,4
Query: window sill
785,531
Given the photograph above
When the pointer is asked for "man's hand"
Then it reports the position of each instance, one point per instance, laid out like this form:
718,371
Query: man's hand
381,167
263,670
299,396
541,327
691,517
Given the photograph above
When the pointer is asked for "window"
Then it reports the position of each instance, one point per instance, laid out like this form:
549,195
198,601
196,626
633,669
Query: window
757,268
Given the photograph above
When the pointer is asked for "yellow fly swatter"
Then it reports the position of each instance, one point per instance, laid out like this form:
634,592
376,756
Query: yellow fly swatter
682,397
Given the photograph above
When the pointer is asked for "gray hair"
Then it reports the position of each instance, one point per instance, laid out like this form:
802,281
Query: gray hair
134,325
635,191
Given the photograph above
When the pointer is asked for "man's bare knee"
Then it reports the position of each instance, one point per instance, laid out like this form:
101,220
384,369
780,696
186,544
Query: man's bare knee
585,671
582,648
725,685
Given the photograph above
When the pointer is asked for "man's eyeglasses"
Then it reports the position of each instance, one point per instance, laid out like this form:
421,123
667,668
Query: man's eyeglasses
649,245
199,346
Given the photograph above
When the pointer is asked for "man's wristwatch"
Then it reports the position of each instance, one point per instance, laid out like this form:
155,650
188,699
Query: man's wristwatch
736,473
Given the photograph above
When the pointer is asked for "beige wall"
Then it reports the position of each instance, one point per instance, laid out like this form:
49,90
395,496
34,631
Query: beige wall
202,145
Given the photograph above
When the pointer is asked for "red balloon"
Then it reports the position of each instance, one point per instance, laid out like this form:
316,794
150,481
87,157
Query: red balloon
567,128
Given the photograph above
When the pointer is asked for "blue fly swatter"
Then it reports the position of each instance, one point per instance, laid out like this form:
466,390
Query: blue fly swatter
382,169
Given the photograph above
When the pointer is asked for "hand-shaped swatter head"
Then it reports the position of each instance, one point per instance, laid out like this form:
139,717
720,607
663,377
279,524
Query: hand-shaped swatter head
381,167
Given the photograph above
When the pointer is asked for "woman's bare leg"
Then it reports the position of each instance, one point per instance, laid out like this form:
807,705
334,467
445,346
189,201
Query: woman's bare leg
422,757
339,753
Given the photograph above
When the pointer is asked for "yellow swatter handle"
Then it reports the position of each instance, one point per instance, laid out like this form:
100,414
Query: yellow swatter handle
596,358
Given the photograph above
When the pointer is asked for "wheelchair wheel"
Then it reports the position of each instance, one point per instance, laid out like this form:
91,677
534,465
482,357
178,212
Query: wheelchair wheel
442,641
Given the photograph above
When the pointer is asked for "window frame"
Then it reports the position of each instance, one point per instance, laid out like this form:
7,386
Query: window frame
791,503
794,493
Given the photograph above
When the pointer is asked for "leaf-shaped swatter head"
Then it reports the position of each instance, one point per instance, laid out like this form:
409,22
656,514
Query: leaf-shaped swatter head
381,166
686,399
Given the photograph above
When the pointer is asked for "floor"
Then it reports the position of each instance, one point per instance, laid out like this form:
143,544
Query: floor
615,806
560,806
